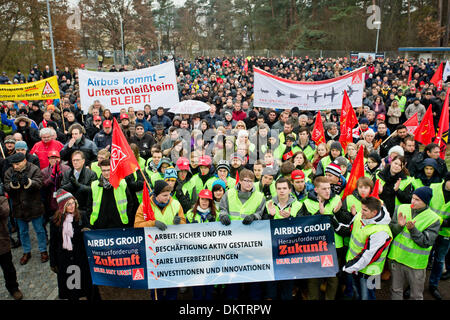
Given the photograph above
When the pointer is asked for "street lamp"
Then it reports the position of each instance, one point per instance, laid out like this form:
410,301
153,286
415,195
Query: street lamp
378,27
51,37
121,38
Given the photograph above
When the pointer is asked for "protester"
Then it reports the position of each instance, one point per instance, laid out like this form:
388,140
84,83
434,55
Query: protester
219,146
415,228
23,182
67,249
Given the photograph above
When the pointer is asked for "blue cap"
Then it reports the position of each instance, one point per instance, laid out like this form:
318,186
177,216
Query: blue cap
21,145
219,182
170,173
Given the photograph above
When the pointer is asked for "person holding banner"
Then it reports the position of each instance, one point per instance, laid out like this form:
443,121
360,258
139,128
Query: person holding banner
283,205
160,211
245,203
321,200
369,245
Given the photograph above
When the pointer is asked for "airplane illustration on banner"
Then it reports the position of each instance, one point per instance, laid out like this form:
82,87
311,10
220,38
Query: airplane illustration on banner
315,96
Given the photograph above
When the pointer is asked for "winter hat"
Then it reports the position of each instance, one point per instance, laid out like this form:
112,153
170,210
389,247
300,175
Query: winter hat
236,156
159,186
219,182
396,149
268,171
336,145
62,197
341,161
334,169
164,160
170,173
17,157
223,164
290,137
375,157
21,145
10,139
430,162
364,120
424,193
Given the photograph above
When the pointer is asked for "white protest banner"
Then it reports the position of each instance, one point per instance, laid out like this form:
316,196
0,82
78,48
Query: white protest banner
156,86
274,92
446,72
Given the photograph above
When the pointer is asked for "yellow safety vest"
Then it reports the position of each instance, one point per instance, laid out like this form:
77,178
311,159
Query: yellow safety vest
120,196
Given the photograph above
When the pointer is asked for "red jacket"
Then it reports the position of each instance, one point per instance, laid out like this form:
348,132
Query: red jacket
239,115
42,149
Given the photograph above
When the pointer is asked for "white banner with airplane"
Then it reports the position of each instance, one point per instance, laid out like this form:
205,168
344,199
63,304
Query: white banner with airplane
274,92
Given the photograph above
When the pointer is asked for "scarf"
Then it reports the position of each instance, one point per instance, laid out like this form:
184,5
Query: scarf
105,183
67,232
203,213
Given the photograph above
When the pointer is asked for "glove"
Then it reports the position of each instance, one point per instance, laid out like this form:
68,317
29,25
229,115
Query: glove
160,225
248,219
225,220
24,180
176,219
74,182
15,179
210,218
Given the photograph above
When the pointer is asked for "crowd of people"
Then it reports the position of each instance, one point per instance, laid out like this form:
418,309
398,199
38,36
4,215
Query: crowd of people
236,162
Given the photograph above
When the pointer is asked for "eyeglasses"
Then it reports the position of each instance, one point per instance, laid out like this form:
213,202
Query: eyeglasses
247,181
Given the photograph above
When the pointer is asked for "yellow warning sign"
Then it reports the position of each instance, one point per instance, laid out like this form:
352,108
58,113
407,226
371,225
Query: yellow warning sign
37,90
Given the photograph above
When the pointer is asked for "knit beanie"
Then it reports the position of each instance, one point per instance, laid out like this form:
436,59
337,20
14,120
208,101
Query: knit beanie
424,193
334,169
219,182
336,145
375,157
21,145
159,186
62,196
397,149
170,173
223,164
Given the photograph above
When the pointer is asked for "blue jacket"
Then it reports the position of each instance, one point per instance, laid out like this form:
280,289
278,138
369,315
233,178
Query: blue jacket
147,125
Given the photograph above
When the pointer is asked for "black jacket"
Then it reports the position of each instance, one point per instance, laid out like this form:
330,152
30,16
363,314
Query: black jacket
108,216
81,189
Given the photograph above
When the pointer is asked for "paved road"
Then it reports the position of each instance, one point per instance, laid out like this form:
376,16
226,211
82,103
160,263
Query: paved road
38,282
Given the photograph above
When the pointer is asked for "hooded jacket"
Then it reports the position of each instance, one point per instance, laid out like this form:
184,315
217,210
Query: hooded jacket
375,244
421,174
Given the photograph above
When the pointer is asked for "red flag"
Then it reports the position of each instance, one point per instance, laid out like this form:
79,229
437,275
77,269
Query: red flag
442,135
376,189
412,123
348,121
237,177
410,74
437,77
246,66
318,134
425,131
356,173
149,214
123,161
